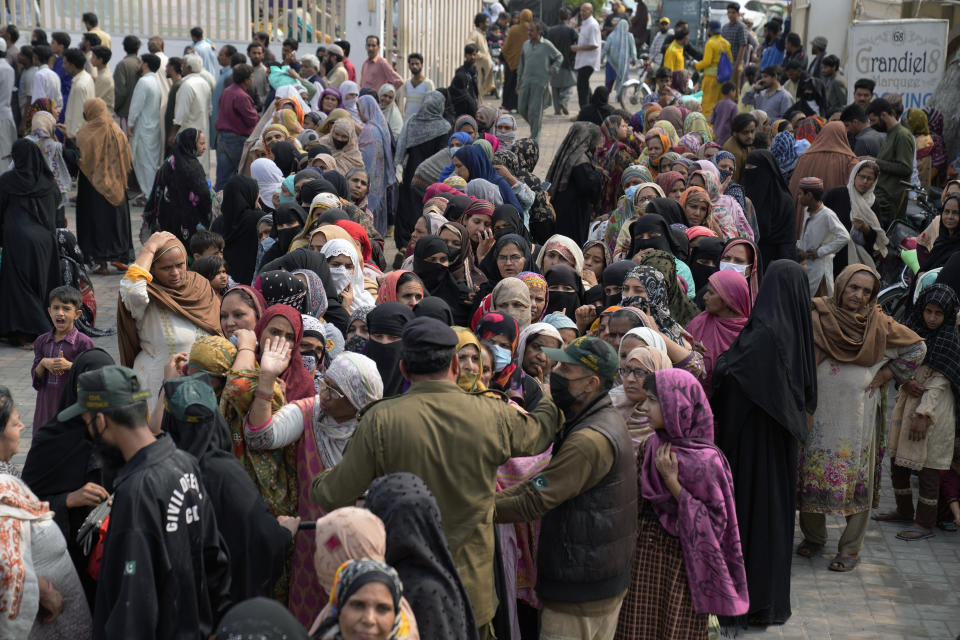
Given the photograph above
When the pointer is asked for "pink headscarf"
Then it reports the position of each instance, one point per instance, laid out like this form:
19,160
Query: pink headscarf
492,139
439,187
716,333
705,518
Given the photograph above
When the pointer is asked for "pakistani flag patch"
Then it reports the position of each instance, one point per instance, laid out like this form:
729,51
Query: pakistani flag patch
129,567
539,482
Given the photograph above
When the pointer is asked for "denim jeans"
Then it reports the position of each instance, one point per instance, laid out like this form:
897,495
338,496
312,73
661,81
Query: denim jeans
229,150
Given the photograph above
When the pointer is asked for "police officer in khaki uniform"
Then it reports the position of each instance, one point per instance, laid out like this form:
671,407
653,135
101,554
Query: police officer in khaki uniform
454,441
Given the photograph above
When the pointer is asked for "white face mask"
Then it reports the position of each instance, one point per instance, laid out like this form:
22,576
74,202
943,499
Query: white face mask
350,102
340,277
731,266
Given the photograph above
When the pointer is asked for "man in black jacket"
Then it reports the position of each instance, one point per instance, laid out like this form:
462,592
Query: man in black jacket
586,498
165,572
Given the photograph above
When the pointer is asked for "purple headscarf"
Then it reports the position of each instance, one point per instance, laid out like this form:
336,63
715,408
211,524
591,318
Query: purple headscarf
705,518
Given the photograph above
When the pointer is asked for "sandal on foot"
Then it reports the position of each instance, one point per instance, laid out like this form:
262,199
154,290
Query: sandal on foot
102,270
914,533
889,516
808,549
843,564
948,526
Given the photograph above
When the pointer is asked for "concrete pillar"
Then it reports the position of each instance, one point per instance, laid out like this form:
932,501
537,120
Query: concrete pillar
363,18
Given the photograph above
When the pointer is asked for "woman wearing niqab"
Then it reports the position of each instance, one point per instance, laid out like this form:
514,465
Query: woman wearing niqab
764,387
29,199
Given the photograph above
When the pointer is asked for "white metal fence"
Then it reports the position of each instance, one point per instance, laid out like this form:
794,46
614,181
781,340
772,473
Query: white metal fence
435,28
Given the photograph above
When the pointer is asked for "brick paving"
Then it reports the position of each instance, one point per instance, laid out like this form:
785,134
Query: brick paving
900,589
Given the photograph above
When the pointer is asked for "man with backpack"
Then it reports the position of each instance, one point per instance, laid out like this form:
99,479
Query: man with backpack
717,67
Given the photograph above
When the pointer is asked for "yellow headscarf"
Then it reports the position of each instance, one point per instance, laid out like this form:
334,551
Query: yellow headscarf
470,382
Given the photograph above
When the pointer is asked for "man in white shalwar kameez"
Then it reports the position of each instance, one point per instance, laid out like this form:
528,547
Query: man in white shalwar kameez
145,123
204,48
82,89
192,109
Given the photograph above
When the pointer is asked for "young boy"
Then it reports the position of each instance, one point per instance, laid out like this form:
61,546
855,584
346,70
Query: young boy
723,112
206,243
55,351
213,268
822,237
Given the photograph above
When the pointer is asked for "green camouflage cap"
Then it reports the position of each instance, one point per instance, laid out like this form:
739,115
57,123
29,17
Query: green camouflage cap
592,353
107,388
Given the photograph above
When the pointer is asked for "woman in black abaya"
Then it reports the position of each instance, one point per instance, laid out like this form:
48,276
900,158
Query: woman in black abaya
776,213
63,468
764,387
29,198
238,226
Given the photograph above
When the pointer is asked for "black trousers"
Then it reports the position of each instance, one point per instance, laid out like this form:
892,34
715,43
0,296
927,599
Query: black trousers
583,85
509,88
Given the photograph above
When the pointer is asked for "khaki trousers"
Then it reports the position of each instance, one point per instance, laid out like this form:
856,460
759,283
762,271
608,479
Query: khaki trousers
814,528
556,625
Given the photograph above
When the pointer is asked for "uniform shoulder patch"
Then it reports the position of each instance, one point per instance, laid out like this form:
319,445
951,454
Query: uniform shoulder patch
539,482
130,567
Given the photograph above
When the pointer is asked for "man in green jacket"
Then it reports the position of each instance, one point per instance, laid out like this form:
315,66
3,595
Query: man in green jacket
896,160
454,441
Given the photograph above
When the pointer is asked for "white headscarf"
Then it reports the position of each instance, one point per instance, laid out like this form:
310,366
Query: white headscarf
649,337
294,91
392,113
532,331
861,208
341,247
358,379
485,190
268,176
351,87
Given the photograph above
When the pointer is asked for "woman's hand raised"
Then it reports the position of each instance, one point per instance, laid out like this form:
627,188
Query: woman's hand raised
274,357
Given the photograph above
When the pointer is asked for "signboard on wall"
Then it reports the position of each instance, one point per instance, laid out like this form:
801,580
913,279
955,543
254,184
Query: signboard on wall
906,57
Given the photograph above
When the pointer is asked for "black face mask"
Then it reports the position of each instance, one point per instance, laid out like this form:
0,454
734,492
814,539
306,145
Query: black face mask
286,236
432,274
637,302
560,300
356,344
109,455
612,299
340,144
882,128
639,244
724,174
502,231
560,390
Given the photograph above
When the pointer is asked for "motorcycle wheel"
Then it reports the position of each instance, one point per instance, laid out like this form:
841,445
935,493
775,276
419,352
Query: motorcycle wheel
894,303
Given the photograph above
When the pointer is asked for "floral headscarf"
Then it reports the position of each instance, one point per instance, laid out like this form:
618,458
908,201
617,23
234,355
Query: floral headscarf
657,299
536,283
315,303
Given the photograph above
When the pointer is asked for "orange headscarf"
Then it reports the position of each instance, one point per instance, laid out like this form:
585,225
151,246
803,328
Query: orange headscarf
105,157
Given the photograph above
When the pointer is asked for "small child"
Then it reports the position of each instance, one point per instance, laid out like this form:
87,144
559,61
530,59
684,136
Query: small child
922,430
723,112
55,351
822,237
213,268
206,243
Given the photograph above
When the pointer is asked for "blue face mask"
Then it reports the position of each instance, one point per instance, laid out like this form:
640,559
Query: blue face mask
453,150
501,358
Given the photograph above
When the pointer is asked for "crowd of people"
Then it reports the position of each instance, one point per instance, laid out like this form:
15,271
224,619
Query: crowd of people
589,404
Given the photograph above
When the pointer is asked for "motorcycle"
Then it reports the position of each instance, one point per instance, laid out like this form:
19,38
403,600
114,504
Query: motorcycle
497,70
634,90
895,274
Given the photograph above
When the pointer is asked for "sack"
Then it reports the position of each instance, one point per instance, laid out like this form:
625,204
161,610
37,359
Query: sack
724,68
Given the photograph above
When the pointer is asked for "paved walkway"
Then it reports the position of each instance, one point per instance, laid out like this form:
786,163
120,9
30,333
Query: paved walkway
900,590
